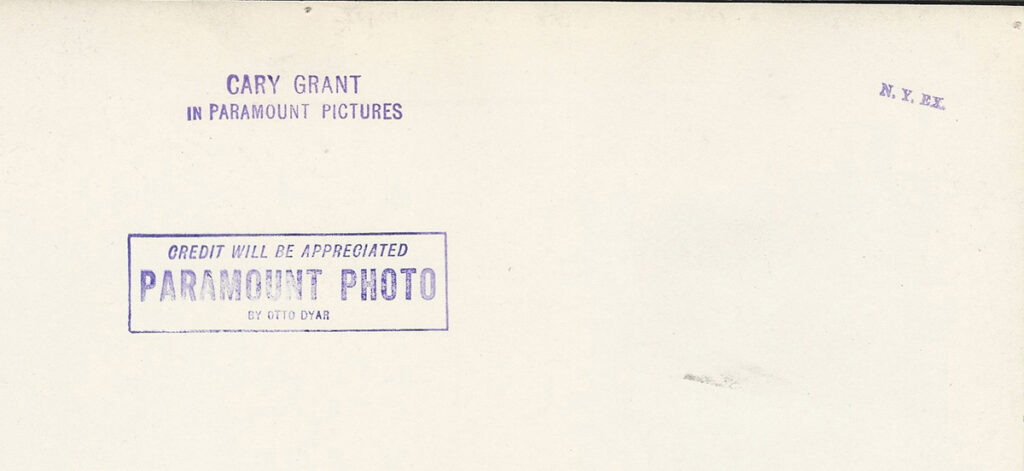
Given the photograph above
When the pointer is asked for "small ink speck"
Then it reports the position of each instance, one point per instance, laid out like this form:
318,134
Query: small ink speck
309,9
1016,25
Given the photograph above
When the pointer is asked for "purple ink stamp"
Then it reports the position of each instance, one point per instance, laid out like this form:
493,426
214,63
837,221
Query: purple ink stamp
184,283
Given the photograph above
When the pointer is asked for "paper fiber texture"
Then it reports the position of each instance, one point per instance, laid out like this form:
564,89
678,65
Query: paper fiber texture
674,236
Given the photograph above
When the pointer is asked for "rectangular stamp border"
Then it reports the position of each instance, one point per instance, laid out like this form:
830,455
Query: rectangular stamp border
212,331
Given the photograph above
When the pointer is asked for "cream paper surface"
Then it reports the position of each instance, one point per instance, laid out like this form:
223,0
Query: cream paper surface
679,236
